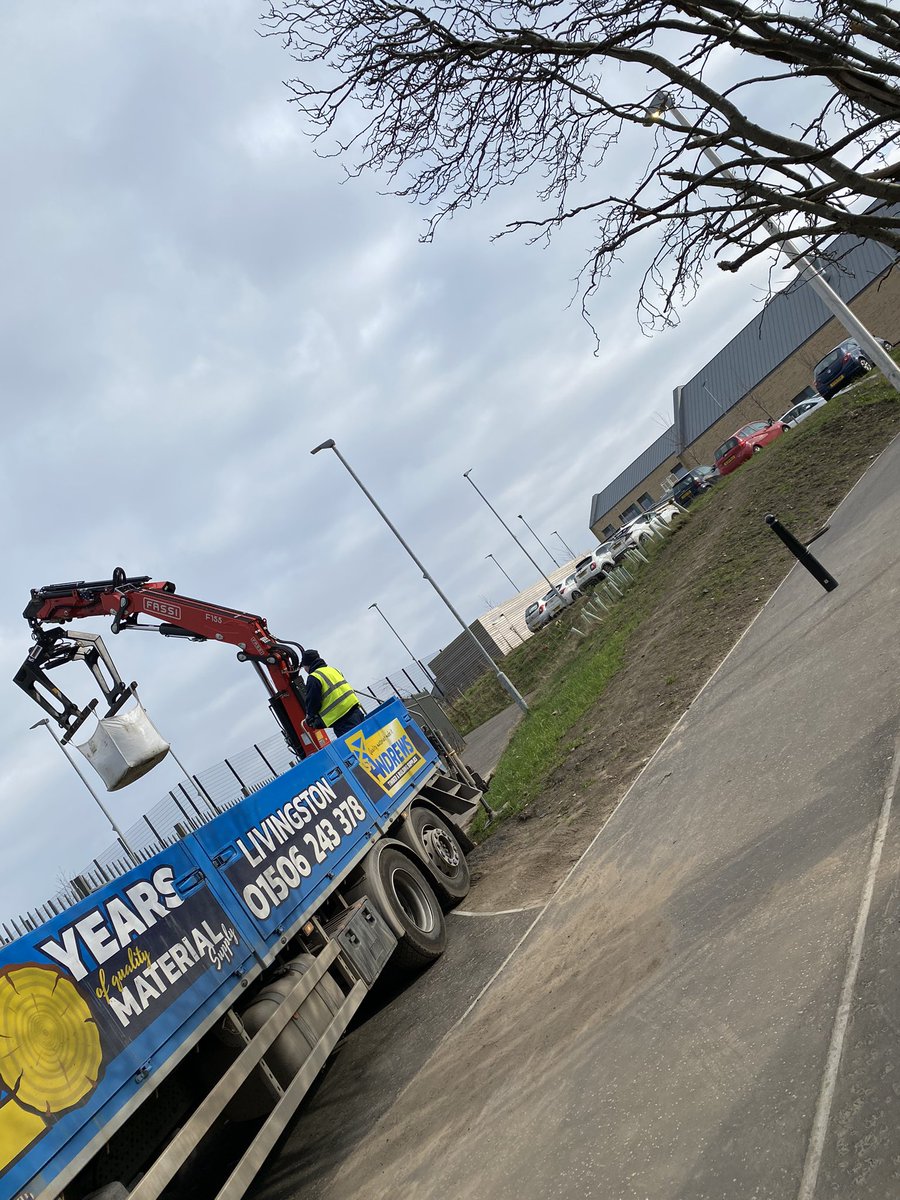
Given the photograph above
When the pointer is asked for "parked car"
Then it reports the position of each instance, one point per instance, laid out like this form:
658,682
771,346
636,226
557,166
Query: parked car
747,441
841,365
692,483
552,604
569,589
595,567
670,513
534,619
801,411
634,534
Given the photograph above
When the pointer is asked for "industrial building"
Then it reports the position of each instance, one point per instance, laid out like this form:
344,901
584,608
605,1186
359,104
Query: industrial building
499,630
759,374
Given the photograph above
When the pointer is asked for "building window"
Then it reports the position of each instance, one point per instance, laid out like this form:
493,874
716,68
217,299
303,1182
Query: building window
678,469
608,531
630,513
646,501
808,393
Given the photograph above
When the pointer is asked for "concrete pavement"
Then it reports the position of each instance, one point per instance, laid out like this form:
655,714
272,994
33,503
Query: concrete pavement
671,1026
485,745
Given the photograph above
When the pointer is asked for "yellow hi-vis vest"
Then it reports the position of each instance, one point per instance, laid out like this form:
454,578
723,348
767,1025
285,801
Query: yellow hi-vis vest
338,697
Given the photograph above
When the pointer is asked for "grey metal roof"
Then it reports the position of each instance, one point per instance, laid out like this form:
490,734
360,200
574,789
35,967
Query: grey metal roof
789,319
648,460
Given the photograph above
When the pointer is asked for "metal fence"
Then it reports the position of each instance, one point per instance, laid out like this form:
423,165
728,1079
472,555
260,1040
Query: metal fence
198,799
192,803
412,679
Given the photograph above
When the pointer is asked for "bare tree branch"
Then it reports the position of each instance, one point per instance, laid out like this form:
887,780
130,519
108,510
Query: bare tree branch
451,101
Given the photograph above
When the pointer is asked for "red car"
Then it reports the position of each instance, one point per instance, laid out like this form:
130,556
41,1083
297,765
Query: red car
747,441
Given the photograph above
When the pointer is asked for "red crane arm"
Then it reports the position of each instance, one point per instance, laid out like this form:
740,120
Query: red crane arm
126,599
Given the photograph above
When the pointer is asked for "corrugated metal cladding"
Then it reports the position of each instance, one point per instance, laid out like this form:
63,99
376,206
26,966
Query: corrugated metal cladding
654,456
459,664
788,320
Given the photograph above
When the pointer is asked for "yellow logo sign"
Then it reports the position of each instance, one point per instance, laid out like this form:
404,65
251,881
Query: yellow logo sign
388,756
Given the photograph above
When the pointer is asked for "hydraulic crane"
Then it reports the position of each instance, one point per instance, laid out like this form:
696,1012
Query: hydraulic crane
129,598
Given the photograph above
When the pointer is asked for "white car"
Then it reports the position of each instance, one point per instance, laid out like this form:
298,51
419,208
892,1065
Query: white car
668,514
633,535
569,589
595,567
534,619
801,411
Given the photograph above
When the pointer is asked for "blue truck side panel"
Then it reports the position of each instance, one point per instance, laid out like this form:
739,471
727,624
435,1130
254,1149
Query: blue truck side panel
94,1003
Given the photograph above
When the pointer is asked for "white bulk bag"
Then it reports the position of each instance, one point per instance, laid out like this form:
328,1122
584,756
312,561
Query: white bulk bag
124,747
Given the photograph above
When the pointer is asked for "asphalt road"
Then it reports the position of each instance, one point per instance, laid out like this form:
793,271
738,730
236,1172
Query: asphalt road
709,1006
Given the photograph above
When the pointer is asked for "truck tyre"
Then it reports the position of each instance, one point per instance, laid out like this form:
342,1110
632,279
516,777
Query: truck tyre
402,894
431,837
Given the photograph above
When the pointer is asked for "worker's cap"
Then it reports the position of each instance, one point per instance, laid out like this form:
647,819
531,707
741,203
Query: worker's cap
309,658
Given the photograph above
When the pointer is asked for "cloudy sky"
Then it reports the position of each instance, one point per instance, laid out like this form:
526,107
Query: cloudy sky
192,301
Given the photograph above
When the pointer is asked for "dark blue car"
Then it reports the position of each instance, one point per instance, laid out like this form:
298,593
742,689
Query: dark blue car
840,366
692,483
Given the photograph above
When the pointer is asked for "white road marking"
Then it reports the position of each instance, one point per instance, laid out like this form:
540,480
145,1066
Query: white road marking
503,912
796,567
842,1016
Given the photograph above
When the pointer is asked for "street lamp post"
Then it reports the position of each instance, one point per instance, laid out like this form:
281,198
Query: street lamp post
568,548
538,540
123,841
516,586
506,683
468,475
661,104
427,674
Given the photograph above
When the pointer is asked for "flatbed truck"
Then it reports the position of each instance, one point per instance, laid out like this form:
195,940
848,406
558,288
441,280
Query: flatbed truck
208,985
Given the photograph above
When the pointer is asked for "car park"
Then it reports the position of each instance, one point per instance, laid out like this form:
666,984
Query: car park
842,365
693,483
801,411
744,443
595,567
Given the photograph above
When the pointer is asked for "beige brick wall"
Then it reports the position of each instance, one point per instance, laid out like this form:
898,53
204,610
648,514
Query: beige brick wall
879,309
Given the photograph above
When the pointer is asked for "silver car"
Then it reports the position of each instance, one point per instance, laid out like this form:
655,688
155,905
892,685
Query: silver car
801,411
534,619
552,604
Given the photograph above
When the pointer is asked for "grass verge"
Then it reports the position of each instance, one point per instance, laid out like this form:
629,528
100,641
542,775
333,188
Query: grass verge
601,704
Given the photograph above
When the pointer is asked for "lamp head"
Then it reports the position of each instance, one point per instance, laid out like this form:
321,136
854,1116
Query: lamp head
38,724
466,474
657,107
329,445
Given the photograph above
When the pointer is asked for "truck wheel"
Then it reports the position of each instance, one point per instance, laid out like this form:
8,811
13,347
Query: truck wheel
400,891
435,841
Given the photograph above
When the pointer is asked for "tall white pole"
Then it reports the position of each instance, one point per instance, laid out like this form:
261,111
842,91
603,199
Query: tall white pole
506,683
875,352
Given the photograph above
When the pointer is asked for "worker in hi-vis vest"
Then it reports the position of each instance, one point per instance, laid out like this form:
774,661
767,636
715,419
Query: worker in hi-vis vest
331,702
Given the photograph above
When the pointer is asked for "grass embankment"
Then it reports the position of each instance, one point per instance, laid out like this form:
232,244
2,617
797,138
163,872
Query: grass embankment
601,703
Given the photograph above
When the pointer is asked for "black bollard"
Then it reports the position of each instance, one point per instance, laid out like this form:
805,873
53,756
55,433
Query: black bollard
799,551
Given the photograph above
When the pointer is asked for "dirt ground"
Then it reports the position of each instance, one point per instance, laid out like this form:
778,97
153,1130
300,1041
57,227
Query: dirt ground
701,589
